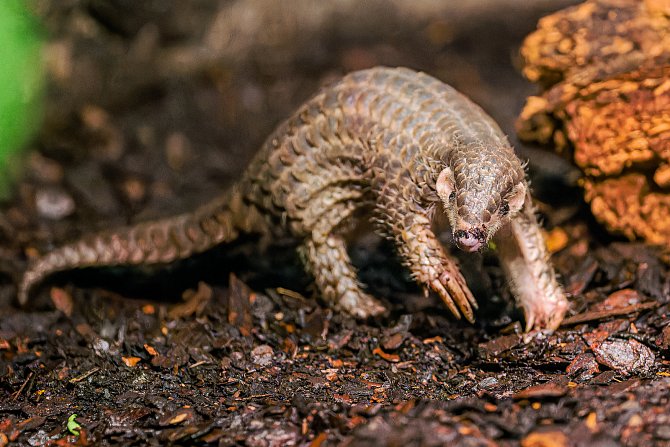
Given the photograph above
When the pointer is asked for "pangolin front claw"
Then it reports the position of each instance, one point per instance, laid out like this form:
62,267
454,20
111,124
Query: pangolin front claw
455,294
545,315
446,298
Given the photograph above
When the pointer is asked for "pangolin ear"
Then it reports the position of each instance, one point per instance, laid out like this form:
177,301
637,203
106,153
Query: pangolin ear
517,197
445,184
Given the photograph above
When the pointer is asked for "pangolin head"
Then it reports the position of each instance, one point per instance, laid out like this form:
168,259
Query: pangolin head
481,189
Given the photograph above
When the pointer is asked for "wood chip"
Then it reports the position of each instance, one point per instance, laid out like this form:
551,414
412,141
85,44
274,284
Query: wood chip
393,358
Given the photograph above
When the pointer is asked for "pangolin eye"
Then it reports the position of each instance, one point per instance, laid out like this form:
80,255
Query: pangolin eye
504,209
452,196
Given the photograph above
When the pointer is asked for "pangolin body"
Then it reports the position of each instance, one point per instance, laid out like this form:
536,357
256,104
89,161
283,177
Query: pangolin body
391,139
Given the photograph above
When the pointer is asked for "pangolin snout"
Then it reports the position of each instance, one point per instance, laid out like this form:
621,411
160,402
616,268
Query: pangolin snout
470,240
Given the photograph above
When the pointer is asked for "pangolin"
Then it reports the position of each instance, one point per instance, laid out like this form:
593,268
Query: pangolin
391,140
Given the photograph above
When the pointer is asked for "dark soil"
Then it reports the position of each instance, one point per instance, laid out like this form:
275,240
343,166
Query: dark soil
155,106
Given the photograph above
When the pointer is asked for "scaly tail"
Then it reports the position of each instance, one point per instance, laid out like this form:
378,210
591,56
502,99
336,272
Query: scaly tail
153,242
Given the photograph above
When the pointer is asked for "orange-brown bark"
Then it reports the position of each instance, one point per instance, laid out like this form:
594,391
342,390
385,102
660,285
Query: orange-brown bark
605,69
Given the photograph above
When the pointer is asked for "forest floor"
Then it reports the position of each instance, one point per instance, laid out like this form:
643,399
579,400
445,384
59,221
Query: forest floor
152,109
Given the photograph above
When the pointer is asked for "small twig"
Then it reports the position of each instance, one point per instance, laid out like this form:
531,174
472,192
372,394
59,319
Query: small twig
196,364
254,396
291,294
25,382
602,314
85,375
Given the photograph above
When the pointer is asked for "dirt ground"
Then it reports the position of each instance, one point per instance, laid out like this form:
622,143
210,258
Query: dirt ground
153,107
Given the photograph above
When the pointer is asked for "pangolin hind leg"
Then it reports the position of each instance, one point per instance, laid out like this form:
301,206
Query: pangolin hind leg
325,256
336,278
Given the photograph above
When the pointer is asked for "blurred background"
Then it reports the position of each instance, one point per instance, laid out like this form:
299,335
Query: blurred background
150,108
155,98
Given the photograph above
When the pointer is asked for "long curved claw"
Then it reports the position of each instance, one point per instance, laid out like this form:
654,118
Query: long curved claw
464,304
530,320
468,293
456,285
452,292
437,286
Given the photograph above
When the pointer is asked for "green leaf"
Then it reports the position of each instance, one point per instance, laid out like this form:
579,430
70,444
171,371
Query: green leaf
21,84
72,425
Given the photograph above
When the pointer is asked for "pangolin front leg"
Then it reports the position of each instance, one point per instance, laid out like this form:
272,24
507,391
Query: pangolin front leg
432,267
405,215
525,260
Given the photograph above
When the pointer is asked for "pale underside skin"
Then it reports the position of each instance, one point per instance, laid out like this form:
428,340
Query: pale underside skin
395,141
